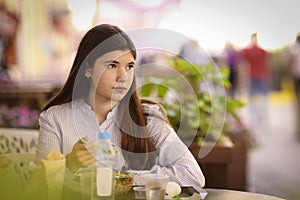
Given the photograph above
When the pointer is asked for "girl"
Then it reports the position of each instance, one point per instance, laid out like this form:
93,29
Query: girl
100,94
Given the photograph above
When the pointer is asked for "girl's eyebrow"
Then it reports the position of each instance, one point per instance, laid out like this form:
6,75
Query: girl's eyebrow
112,61
131,63
116,62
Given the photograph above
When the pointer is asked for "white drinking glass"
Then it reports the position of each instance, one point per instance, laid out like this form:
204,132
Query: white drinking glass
156,186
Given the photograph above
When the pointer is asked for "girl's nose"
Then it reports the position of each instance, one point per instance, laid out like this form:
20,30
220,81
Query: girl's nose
122,75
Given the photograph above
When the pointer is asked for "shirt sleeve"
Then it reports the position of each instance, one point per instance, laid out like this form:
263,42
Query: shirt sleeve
49,138
174,157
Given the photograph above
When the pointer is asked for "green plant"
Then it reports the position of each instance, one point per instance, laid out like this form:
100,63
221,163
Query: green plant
194,98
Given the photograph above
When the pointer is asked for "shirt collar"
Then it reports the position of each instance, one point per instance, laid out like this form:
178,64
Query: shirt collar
90,109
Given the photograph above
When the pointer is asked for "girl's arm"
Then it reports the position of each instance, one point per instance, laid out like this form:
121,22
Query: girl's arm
174,157
49,138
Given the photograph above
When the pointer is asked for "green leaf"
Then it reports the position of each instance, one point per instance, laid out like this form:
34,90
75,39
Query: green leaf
185,112
147,89
232,106
162,91
176,197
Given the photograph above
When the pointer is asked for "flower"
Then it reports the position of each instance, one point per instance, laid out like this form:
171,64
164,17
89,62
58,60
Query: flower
18,117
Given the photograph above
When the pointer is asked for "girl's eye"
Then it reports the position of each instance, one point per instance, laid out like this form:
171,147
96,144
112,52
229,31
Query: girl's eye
111,65
130,67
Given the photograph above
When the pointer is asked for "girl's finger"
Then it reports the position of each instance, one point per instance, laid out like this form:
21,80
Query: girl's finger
90,146
88,162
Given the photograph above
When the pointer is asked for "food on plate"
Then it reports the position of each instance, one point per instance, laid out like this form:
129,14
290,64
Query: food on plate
123,182
173,189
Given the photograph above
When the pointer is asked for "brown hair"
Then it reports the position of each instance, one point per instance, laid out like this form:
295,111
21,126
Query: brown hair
99,40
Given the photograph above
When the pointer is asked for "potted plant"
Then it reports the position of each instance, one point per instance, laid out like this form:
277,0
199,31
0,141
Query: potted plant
194,97
197,101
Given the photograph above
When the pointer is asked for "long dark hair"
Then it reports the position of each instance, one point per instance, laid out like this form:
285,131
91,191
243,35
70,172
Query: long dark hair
99,40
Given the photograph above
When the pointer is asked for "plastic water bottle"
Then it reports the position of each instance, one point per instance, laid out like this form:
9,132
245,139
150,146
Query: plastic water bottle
106,153
103,181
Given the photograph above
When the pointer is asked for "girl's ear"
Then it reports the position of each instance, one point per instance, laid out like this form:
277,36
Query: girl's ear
88,72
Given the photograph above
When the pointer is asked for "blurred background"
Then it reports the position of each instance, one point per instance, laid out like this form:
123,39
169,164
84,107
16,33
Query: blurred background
38,42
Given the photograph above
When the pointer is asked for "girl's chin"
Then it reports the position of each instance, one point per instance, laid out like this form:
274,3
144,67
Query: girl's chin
117,97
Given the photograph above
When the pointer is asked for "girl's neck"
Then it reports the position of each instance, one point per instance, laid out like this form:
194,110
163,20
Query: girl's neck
101,108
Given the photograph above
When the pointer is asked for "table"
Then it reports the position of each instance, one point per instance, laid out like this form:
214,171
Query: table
71,190
220,194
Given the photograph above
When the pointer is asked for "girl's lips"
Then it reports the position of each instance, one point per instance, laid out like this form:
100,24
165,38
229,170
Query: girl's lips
120,89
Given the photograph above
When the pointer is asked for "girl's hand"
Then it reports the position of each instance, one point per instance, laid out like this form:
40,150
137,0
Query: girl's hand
81,155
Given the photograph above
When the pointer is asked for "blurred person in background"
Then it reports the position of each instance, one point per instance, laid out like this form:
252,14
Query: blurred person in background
294,60
231,59
8,29
192,52
257,59
61,45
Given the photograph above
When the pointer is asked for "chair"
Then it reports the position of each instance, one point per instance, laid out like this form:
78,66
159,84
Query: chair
14,140
21,164
15,172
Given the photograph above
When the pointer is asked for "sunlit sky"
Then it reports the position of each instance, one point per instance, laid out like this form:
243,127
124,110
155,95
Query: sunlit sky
213,22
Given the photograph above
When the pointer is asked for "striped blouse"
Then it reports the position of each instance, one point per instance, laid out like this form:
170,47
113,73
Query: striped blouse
63,125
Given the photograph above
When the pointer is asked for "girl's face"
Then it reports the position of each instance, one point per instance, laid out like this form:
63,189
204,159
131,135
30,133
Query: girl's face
112,76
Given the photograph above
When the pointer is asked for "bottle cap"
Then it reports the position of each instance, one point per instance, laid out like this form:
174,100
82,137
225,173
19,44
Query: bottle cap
104,135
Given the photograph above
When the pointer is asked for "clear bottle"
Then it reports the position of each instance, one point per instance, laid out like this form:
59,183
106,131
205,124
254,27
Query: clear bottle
103,170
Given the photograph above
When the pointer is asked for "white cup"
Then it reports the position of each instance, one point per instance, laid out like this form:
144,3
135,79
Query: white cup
86,185
156,186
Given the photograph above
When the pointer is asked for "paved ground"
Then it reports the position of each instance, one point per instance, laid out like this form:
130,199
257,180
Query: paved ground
274,164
